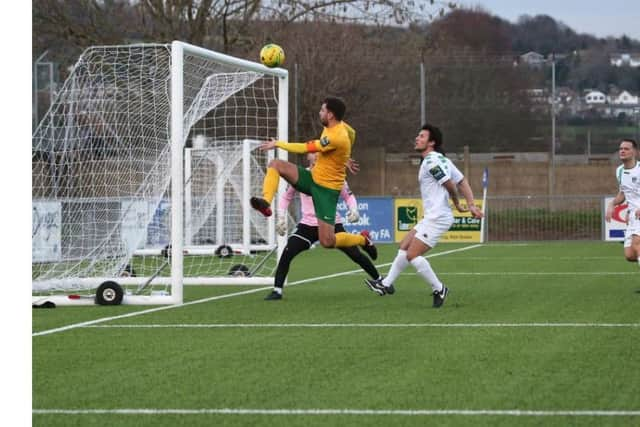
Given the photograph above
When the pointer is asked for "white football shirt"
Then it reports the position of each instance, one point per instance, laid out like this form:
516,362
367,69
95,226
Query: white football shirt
434,171
629,181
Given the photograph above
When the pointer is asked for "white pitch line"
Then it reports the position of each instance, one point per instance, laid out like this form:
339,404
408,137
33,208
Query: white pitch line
405,412
537,273
371,325
544,258
218,297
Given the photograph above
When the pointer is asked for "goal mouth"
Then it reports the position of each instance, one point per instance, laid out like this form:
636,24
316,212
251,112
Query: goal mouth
142,169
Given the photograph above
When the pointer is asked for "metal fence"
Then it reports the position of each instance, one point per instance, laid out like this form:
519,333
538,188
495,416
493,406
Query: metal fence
515,218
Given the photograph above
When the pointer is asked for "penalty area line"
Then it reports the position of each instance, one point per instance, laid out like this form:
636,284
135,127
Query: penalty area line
219,297
370,325
404,412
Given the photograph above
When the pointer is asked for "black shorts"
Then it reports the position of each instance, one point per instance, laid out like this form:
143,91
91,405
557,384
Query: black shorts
309,233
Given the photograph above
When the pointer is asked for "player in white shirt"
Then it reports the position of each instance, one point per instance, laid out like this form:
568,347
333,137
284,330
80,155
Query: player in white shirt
439,180
628,176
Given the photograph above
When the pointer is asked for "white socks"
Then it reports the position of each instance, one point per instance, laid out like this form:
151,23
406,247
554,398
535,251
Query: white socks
424,269
421,265
277,289
399,264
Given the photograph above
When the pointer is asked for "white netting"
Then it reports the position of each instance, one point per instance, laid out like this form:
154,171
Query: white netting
101,170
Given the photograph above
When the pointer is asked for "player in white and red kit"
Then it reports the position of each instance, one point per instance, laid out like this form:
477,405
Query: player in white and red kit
628,177
306,233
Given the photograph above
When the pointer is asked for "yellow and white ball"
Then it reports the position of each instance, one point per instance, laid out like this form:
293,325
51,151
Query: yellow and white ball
272,55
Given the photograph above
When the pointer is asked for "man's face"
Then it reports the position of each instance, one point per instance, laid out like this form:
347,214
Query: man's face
324,115
422,141
626,151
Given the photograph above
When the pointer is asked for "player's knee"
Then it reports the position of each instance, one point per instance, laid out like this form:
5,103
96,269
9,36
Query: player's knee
275,163
327,242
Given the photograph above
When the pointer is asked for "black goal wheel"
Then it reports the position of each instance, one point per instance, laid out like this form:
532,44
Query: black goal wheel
109,293
224,251
239,270
128,271
166,251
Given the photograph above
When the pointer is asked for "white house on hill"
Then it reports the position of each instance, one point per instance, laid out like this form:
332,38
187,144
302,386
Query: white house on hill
622,98
532,59
625,59
595,97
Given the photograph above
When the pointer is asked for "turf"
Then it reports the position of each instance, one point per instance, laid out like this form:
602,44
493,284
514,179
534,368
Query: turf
549,327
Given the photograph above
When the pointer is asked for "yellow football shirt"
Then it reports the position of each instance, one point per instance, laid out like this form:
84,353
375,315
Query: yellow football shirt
335,149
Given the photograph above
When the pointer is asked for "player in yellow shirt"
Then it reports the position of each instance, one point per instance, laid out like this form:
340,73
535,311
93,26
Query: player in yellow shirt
324,182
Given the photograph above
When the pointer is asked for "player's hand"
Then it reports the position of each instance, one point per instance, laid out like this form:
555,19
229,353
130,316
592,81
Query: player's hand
353,215
353,166
270,144
460,207
281,225
637,213
475,211
609,213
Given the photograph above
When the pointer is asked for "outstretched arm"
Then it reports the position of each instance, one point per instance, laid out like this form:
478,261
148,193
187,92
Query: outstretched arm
312,146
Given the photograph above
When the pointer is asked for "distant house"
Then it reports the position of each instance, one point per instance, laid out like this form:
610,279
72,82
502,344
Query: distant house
565,94
625,60
532,59
622,103
538,95
566,99
595,97
622,98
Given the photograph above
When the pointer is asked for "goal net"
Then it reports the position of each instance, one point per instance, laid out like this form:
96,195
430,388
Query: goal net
142,171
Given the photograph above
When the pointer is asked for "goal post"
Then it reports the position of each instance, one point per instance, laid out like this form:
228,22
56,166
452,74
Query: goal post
142,171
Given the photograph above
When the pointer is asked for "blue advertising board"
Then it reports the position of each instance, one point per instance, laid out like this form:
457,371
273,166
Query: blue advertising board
376,215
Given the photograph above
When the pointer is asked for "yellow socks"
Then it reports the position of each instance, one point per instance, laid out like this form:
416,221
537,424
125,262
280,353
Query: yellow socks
270,184
344,240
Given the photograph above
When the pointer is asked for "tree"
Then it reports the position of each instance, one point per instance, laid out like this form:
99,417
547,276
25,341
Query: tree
474,29
68,26
217,24
222,24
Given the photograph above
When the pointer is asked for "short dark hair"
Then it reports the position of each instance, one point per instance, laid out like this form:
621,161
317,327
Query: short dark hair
336,106
632,141
435,135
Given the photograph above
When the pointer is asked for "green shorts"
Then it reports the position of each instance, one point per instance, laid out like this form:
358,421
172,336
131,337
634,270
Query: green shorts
325,200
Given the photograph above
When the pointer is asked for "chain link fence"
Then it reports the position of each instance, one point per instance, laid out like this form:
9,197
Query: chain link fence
519,218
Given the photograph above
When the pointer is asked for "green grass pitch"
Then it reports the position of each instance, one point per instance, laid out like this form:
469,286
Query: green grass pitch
531,334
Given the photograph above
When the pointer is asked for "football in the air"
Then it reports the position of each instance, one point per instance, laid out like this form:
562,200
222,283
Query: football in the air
272,55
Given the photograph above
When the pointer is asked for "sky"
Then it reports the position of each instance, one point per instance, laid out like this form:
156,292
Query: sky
600,18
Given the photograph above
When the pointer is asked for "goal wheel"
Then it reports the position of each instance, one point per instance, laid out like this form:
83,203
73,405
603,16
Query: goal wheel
166,251
224,251
109,293
239,270
128,271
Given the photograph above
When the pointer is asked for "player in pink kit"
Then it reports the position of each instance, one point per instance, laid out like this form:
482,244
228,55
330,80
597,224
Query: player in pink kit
306,233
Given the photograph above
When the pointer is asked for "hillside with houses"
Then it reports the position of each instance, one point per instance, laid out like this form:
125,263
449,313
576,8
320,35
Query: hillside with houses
487,81
613,102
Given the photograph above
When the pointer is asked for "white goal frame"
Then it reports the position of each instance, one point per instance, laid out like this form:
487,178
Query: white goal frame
177,150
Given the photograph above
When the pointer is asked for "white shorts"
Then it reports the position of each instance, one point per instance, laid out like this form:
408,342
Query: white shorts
633,228
429,231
